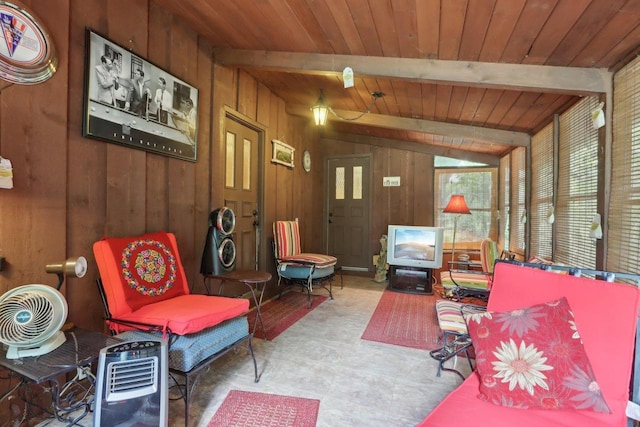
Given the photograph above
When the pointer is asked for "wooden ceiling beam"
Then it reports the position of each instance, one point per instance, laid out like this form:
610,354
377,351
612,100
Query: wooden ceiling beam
524,77
411,146
497,136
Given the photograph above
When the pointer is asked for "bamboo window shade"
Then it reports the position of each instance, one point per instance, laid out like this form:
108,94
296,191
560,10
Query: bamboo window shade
577,186
503,206
541,193
517,206
623,245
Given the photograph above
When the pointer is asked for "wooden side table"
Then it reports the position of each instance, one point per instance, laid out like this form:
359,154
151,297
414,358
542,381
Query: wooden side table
255,280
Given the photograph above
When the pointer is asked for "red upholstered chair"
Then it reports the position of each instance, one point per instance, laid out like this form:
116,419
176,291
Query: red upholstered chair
299,268
146,296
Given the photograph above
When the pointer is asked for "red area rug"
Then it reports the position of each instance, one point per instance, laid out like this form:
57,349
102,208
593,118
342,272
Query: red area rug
407,320
279,314
250,409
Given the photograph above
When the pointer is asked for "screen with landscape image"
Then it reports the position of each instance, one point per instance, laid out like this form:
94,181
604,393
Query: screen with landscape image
415,246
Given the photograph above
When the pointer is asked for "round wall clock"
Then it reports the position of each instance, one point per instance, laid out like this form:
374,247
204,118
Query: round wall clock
27,53
306,160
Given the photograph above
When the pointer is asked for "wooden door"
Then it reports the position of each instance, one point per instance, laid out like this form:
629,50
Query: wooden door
241,192
348,208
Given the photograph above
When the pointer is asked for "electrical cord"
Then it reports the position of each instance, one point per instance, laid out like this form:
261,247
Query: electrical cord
375,96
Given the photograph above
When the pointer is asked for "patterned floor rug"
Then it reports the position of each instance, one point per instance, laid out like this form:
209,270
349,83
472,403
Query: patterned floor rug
279,314
408,320
250,409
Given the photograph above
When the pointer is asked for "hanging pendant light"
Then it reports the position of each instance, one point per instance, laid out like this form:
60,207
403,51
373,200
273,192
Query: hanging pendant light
320,111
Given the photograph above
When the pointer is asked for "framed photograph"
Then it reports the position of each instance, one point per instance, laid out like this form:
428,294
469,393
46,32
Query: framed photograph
282,153
131,102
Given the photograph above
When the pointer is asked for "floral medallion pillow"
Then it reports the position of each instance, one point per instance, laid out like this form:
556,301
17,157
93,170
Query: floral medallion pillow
534,358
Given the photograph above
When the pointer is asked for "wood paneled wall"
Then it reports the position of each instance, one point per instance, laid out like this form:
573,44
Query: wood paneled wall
70,191
410,203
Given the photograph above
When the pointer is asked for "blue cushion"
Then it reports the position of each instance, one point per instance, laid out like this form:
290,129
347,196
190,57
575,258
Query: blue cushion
301,272
189,350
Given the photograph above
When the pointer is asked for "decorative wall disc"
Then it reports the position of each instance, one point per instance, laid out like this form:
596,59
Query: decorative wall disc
27,52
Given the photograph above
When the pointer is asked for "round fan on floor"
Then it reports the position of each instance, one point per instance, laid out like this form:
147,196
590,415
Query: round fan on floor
30,320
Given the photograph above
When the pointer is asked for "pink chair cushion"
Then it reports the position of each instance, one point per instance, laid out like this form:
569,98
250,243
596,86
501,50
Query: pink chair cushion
144,282
605,314
137,271
187,314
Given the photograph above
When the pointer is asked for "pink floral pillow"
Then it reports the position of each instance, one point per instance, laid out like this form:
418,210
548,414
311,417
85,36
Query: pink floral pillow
534,358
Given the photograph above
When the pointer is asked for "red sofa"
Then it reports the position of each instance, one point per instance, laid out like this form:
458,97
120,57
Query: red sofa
606,316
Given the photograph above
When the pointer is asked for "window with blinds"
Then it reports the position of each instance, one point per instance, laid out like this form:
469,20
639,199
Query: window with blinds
503,206
517,212
623,245
541,193
577,186
479,188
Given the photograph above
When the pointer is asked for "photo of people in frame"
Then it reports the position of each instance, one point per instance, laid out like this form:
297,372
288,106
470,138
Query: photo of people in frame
130,101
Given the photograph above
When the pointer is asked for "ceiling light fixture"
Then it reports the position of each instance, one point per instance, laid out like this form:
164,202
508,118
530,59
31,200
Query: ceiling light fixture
321,110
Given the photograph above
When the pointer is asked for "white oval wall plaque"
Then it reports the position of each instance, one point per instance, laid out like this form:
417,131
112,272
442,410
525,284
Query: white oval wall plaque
27,53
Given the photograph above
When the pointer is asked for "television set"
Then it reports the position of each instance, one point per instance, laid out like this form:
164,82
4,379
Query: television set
415,246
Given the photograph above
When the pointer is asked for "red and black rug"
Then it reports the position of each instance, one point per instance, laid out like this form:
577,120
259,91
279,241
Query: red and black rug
279,314
403,319
250,409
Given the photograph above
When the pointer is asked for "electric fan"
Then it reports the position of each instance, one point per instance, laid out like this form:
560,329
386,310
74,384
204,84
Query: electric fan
30,320
225,219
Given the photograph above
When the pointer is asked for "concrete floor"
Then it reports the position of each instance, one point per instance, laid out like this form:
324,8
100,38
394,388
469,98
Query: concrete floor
358,382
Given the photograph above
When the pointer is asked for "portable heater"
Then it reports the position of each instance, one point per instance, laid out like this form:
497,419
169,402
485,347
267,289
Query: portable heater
132,385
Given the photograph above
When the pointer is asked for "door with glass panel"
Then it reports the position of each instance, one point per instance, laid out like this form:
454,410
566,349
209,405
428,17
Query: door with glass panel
241,192
348,210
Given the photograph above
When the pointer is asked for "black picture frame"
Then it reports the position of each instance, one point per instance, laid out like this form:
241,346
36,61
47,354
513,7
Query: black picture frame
124,108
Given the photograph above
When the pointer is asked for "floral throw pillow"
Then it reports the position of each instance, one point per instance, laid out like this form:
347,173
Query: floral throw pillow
534,358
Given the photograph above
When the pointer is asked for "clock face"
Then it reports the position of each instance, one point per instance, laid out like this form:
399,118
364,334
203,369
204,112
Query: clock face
306,160
27,55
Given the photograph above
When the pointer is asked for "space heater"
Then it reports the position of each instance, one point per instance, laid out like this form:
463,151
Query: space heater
132,386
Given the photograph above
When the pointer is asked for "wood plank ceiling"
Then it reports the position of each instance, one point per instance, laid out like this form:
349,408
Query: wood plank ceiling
470,78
